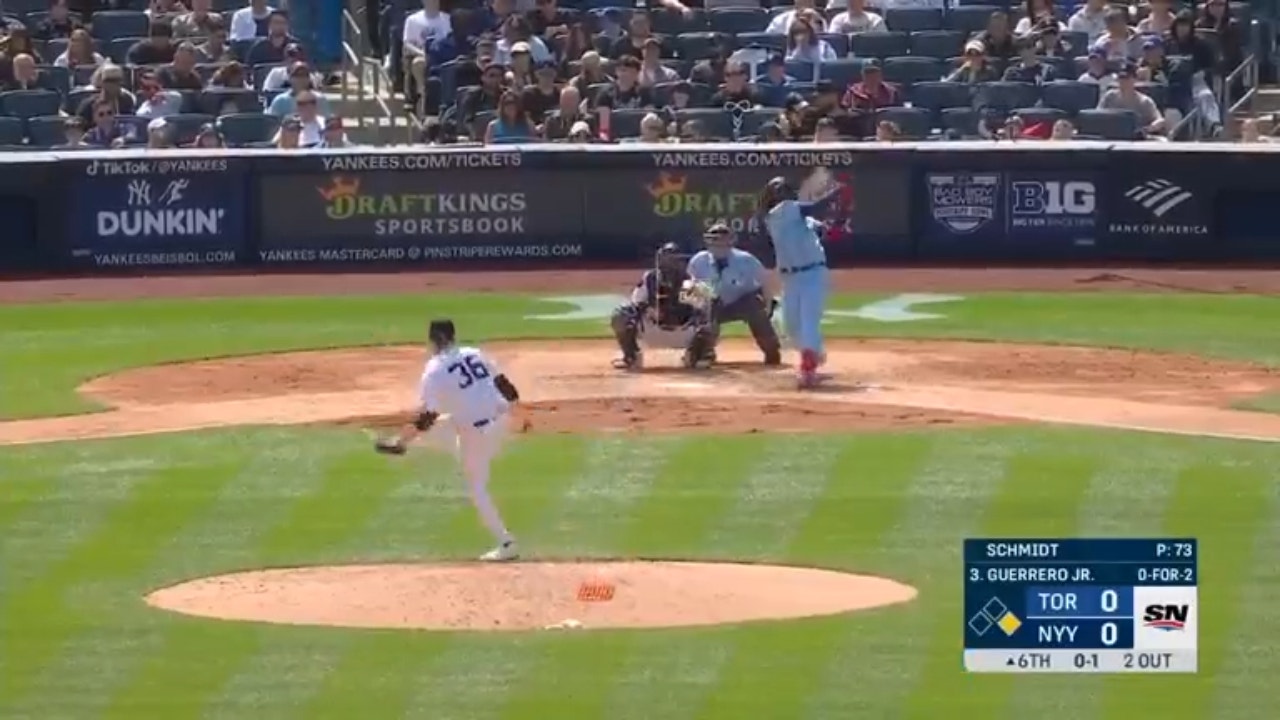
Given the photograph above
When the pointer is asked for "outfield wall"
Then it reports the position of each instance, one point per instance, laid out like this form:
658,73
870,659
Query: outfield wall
540,205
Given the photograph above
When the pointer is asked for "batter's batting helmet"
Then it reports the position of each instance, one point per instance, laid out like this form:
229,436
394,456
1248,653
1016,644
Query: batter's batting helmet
441,333
775,191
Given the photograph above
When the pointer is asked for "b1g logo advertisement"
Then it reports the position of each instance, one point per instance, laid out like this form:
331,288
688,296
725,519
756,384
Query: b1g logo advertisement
1053,209
154,218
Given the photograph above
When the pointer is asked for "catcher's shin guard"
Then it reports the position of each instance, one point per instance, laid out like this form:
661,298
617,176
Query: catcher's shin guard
702,349
626,329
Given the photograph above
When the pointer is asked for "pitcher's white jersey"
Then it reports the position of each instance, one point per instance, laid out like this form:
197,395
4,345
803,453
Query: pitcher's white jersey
459,383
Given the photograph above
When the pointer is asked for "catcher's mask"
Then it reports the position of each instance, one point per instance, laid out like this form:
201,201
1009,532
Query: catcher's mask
719,239
441,333
670,262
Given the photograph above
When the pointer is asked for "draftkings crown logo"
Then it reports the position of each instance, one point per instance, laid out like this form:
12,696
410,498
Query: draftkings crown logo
340,196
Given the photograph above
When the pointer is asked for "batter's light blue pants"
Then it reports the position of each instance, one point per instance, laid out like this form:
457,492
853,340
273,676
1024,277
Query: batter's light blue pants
804,299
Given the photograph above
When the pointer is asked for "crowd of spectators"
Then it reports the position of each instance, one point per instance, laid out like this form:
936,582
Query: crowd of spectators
163,73
540,70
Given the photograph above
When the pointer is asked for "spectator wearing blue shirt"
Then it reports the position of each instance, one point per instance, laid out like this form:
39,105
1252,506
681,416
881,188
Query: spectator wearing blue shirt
107,130
300,82
270,50
518,30
775,84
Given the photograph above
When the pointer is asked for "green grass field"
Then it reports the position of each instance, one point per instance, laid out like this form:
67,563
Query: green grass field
87,528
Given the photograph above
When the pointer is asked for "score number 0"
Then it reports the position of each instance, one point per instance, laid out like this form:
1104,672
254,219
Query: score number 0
1109,601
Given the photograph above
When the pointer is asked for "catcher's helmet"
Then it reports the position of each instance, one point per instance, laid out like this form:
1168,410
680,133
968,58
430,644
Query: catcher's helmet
441,333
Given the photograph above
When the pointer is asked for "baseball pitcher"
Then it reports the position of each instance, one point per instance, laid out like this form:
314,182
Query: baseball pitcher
667,310
738,281
464,401
802,265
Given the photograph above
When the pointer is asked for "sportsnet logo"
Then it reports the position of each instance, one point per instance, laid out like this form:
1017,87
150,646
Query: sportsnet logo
1168,618
1158,196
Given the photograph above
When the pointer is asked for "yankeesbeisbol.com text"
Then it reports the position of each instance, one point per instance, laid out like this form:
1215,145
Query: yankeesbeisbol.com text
435,213
138,259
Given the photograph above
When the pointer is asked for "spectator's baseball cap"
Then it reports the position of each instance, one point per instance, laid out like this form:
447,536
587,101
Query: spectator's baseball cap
871,65
580,128
652,42
293,50
794,101
291,122
299,68
75,122
1098,53
612,14
333,122
546,65
157,125
1152,42
1126,69
975,47
521,47
682,86
718,232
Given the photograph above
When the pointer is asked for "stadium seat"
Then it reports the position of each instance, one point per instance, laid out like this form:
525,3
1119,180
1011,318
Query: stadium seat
243,128
213,101
985,3
55,78
842,73
752,121
940,44
1006,96
696,46
76,98
82,76
1037,115
46,130
112,24
879,45
962,120
777,43
913,19
1077,43
626,123
915,123
839,43
260,73
187,125
699,94
207,70
1108,124
117,50
970,19
54,48
735,20
1062,67
715,121
1070,96
907,71
802,71
240,49
669,22
12,131
30,103
937,95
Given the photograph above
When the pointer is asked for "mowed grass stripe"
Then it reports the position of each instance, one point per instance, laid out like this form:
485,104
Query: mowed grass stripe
281,678
374,677
577,671
669,673
860,498
122,546
693,490
1225,505
526,481
942,503
1127,498
774,499
472,680
1040,495
105,655
1252,658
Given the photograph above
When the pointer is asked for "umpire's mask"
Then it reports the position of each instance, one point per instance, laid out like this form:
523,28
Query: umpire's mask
719,240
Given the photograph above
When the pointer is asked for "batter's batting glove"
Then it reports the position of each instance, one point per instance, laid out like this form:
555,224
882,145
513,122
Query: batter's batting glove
390,446
773,308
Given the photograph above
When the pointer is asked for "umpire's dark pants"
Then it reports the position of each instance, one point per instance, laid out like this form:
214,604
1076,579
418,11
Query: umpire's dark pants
754,311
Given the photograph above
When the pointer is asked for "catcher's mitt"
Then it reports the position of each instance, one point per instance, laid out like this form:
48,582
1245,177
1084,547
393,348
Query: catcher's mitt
390,446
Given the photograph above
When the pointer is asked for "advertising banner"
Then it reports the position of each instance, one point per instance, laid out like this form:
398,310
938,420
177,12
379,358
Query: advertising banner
684,193
964,212
379,217
145,212
1053,214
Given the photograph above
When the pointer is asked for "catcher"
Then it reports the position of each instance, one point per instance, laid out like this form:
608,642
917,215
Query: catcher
738,281
667,310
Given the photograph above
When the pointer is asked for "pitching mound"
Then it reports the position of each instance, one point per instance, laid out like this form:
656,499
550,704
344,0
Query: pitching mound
527,596
568,387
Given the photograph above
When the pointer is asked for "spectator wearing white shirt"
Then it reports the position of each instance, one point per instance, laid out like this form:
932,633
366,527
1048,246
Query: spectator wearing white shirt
250,22
1097,73
310,123
334,136
421,29
857,20
277,78
803,44
781,23
1119,42
1159,19
516,29
1090,19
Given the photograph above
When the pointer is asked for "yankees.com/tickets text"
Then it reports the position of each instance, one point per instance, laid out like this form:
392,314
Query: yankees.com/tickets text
752,159
433,161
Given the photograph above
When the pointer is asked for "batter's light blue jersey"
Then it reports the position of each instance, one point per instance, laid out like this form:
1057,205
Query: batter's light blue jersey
795,241
742,274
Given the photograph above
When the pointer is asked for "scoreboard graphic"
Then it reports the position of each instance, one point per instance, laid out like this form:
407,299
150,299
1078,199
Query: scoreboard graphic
1080,605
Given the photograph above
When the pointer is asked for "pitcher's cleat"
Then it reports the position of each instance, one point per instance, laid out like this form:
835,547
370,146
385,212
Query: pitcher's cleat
503,553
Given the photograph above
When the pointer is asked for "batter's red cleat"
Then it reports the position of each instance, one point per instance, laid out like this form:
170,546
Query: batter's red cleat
808,370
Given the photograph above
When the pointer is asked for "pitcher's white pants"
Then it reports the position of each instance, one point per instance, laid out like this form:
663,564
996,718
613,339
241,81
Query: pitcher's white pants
475,448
